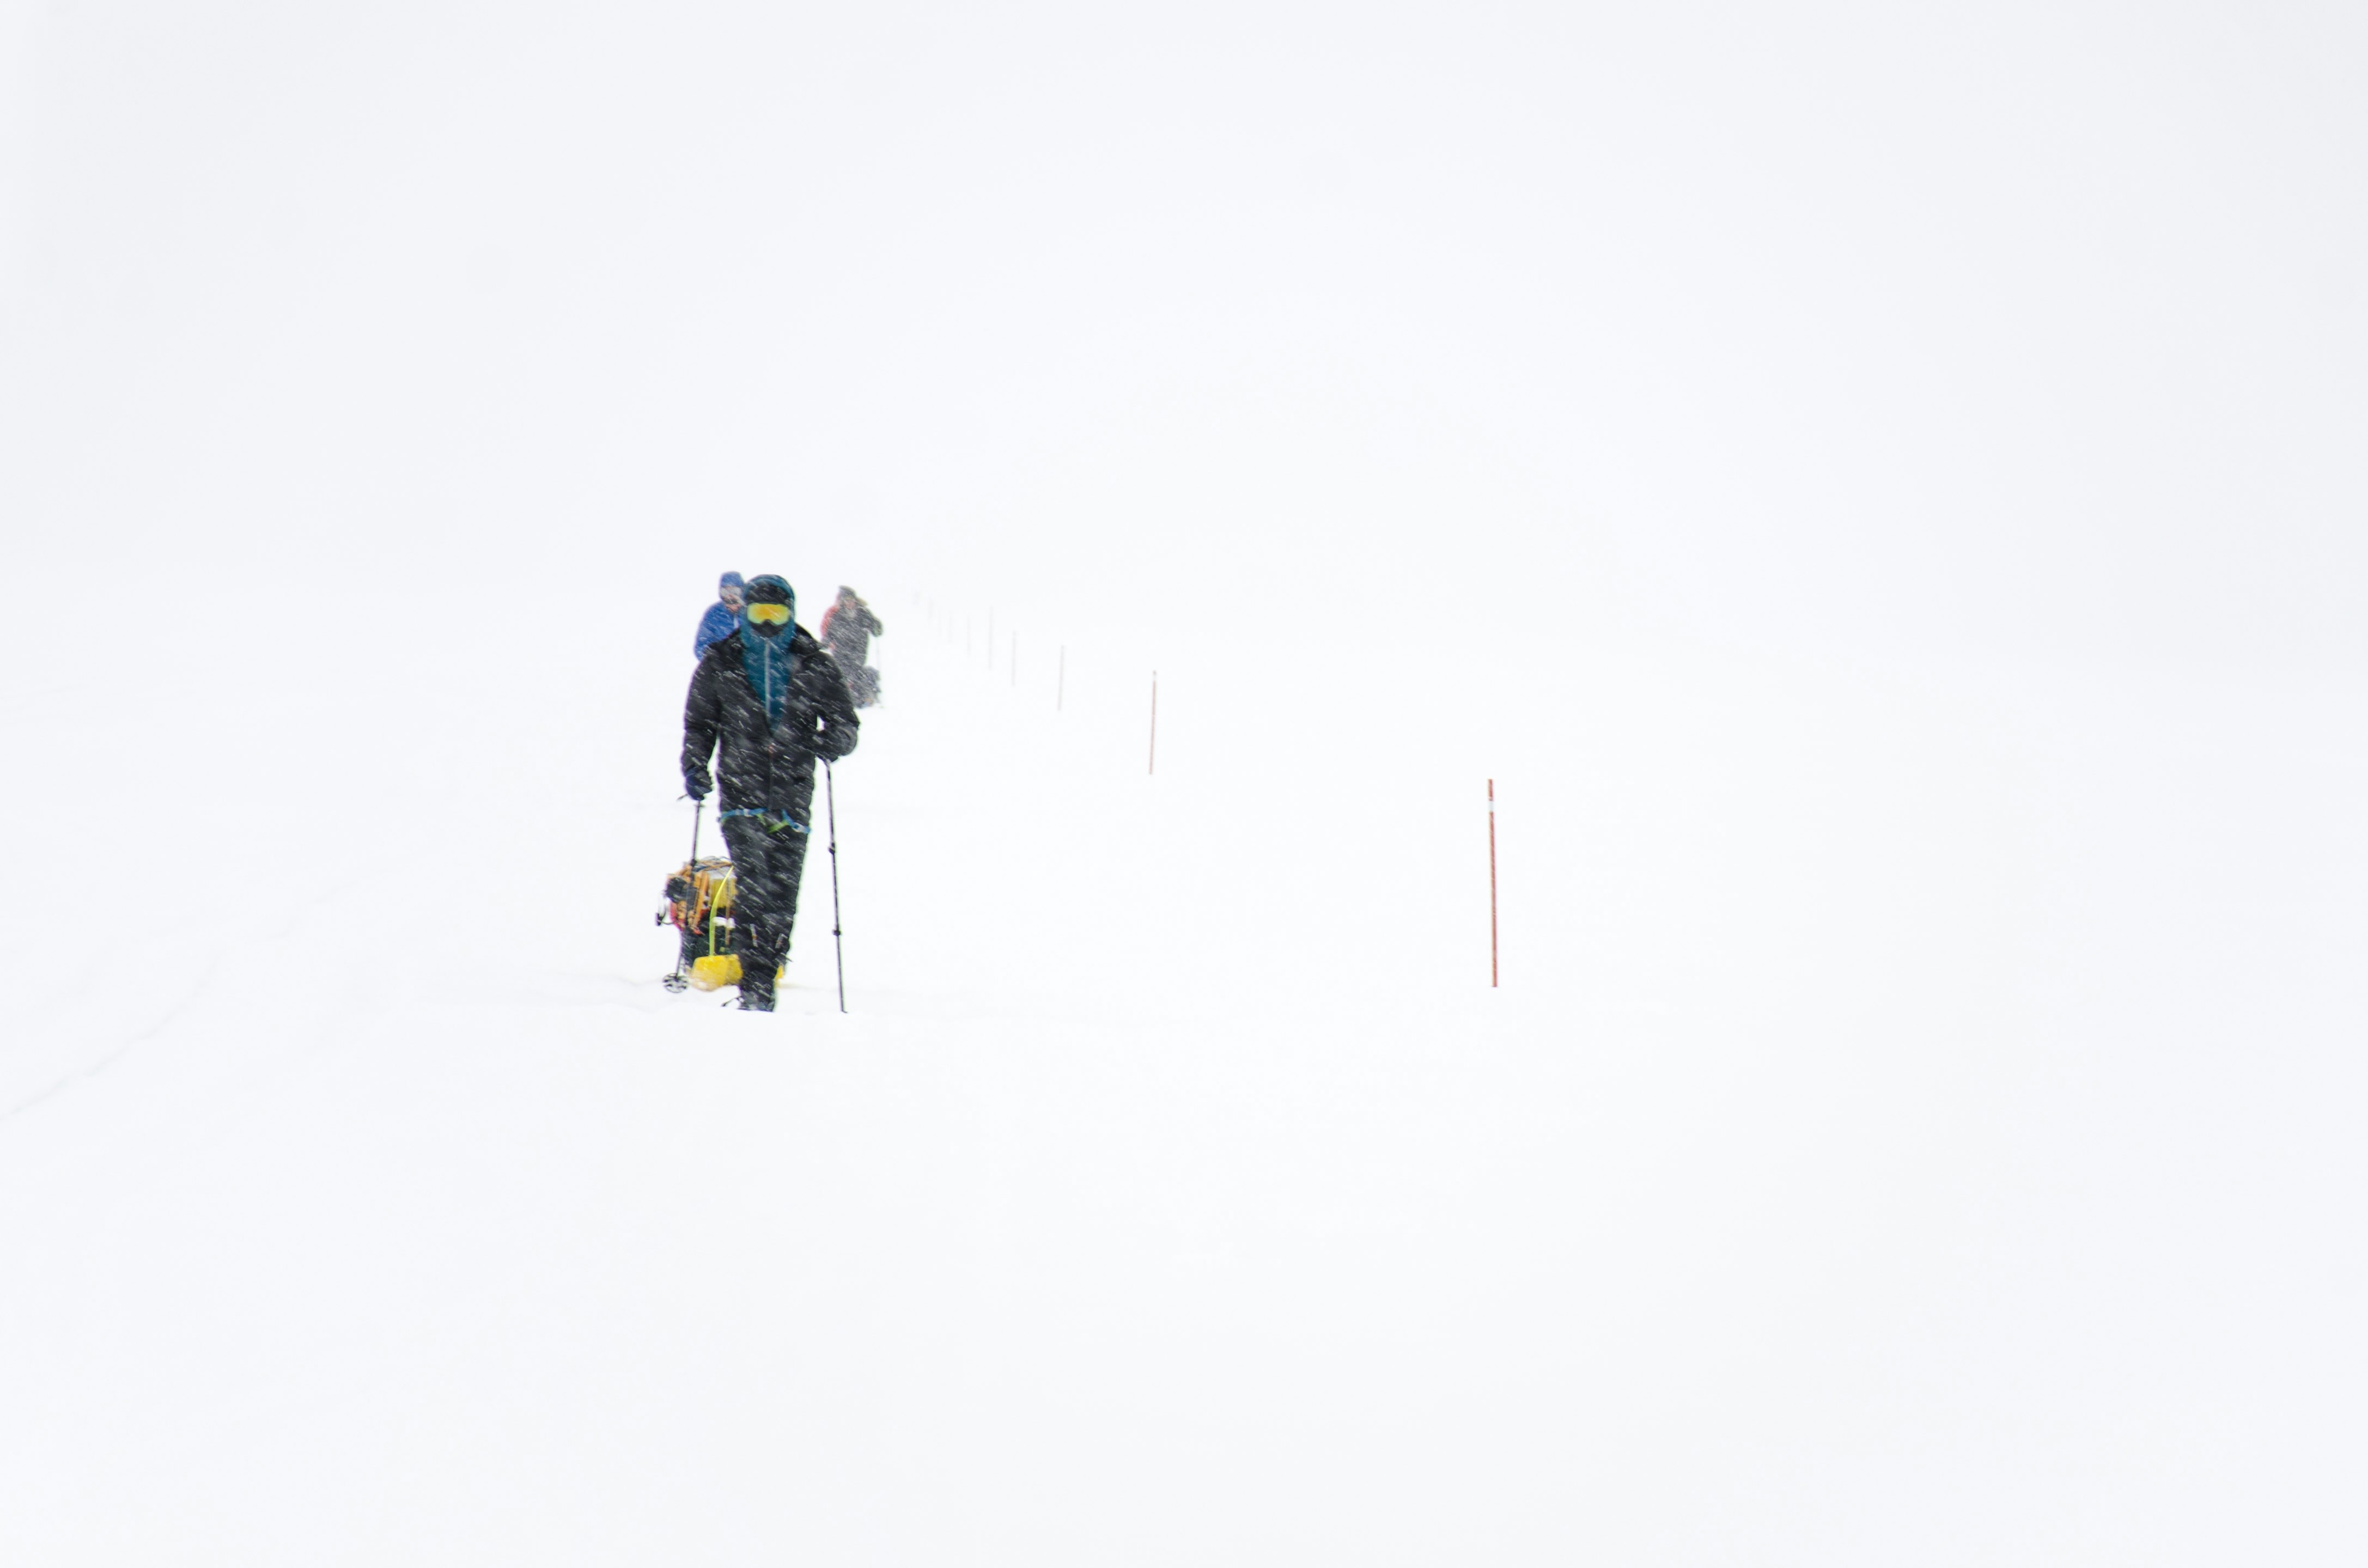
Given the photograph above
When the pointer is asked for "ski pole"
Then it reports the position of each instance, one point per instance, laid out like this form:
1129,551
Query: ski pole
837,947
675,980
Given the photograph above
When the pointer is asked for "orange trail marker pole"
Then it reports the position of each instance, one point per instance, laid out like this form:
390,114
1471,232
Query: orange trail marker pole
1492,882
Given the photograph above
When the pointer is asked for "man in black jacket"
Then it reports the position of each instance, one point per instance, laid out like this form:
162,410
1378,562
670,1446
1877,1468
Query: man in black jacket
771,696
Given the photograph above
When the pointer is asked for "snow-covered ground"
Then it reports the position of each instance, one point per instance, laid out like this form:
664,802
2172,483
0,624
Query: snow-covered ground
1847,1171
1897,555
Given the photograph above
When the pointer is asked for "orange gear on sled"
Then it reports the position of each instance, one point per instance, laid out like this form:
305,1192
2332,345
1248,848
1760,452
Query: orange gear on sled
699,905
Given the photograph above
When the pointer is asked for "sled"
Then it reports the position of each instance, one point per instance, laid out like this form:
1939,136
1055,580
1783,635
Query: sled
699,905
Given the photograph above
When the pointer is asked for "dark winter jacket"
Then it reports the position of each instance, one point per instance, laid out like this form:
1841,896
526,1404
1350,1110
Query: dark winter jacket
765,766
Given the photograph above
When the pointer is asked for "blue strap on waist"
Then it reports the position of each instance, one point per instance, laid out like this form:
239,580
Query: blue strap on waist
778,819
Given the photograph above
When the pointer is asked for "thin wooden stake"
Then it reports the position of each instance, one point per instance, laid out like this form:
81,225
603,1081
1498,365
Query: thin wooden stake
1492,882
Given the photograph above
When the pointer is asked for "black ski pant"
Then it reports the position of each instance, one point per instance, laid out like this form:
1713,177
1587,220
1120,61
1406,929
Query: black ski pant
768,857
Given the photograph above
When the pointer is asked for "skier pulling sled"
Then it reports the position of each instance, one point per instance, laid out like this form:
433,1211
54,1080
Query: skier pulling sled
766,704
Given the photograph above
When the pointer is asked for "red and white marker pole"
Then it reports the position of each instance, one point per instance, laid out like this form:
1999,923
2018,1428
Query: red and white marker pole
1492,882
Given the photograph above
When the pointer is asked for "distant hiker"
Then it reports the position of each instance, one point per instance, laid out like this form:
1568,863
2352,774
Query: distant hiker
848,627
773,697
721,617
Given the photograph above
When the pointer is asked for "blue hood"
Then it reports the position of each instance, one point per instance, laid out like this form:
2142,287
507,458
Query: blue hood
770,661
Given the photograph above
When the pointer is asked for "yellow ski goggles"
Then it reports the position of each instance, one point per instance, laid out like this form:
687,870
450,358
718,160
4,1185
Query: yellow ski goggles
769,615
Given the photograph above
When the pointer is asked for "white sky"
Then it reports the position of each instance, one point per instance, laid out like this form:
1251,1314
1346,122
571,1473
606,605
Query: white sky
1966,331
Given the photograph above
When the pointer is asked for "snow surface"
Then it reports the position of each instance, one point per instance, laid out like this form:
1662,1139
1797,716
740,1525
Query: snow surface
1174,1188
1879,496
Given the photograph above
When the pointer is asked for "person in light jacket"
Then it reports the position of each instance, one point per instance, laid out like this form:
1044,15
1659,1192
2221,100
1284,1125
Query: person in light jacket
847,630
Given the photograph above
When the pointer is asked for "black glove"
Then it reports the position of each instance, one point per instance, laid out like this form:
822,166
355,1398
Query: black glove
696,784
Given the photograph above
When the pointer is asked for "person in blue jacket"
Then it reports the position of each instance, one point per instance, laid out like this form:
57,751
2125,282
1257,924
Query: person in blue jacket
723,617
